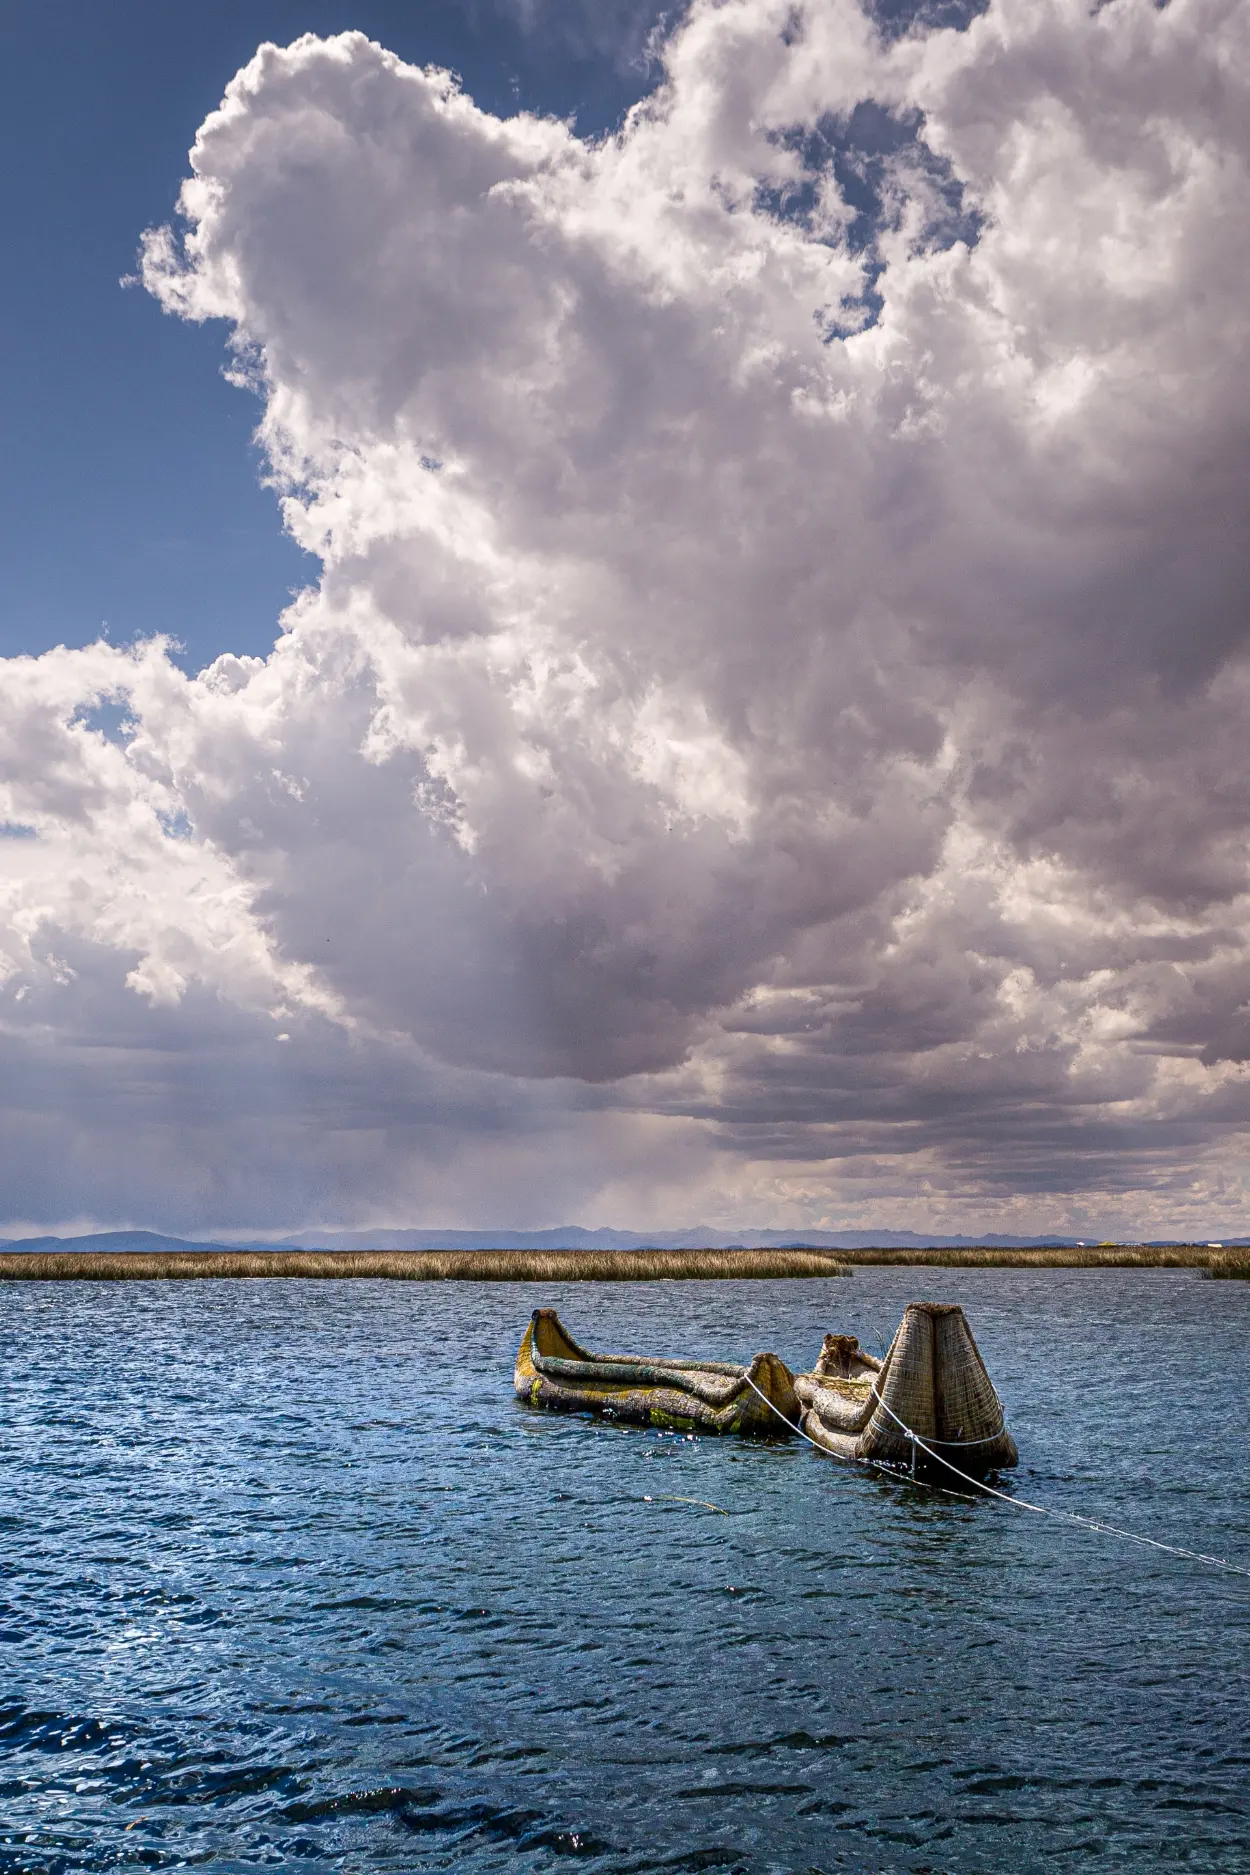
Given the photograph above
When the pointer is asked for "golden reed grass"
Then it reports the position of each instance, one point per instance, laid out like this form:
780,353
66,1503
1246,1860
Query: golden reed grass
547,1266
501,1266
1090,1257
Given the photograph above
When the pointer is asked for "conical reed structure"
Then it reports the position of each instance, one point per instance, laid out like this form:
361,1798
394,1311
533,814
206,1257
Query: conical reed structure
932,1383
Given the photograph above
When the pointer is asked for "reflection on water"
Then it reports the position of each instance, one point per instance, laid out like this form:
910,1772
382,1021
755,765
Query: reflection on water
290,1577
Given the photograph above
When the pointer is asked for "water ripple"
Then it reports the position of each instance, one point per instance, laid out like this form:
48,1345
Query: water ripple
288,1577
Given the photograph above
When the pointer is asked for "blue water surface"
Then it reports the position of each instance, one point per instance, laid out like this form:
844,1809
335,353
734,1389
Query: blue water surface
291,1579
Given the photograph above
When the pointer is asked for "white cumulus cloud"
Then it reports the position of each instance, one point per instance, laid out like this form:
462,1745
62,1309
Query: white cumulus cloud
768,738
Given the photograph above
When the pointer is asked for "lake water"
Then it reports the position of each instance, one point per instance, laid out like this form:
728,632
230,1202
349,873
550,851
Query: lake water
290,1579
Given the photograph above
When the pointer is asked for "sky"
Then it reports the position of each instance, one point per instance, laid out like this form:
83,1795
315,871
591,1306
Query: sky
625,617
132,497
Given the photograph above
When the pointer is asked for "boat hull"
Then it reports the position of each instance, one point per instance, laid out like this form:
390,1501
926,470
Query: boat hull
554,1372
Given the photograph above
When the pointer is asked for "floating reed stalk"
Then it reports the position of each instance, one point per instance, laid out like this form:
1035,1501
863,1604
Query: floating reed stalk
479,1266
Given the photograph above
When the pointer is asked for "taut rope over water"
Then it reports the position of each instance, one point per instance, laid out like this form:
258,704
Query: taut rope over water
1018,1503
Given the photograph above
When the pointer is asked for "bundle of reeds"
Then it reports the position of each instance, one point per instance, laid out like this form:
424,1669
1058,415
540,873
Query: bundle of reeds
932,1382
554,1371
504,1266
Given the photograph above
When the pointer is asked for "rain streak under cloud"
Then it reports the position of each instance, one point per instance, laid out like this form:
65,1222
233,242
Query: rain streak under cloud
768,741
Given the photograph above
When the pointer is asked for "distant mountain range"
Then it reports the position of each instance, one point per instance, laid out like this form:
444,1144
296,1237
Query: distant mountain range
573,1237
567,1237
111,1240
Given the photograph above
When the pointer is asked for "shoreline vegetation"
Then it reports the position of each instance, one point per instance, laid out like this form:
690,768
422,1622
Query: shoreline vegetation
549,1266
1232,1264
502,1266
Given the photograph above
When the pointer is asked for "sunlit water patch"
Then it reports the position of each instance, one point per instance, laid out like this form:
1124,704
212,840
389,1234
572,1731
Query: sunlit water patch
290,1578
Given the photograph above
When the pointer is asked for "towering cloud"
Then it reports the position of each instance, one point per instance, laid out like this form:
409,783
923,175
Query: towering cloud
769,736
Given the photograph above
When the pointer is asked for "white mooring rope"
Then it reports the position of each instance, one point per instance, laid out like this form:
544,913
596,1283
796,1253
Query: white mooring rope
1019,1503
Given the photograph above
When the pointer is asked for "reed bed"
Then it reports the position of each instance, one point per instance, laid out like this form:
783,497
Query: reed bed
1061,1257
611,1266
500,1266
1232,1265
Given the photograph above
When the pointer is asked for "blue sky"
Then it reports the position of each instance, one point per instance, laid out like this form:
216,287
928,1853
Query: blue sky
129,491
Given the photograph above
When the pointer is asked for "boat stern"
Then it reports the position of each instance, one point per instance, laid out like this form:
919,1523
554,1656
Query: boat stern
934,1383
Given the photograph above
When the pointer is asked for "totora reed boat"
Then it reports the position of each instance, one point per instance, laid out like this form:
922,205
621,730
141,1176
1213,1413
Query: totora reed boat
700,1396
931,1384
